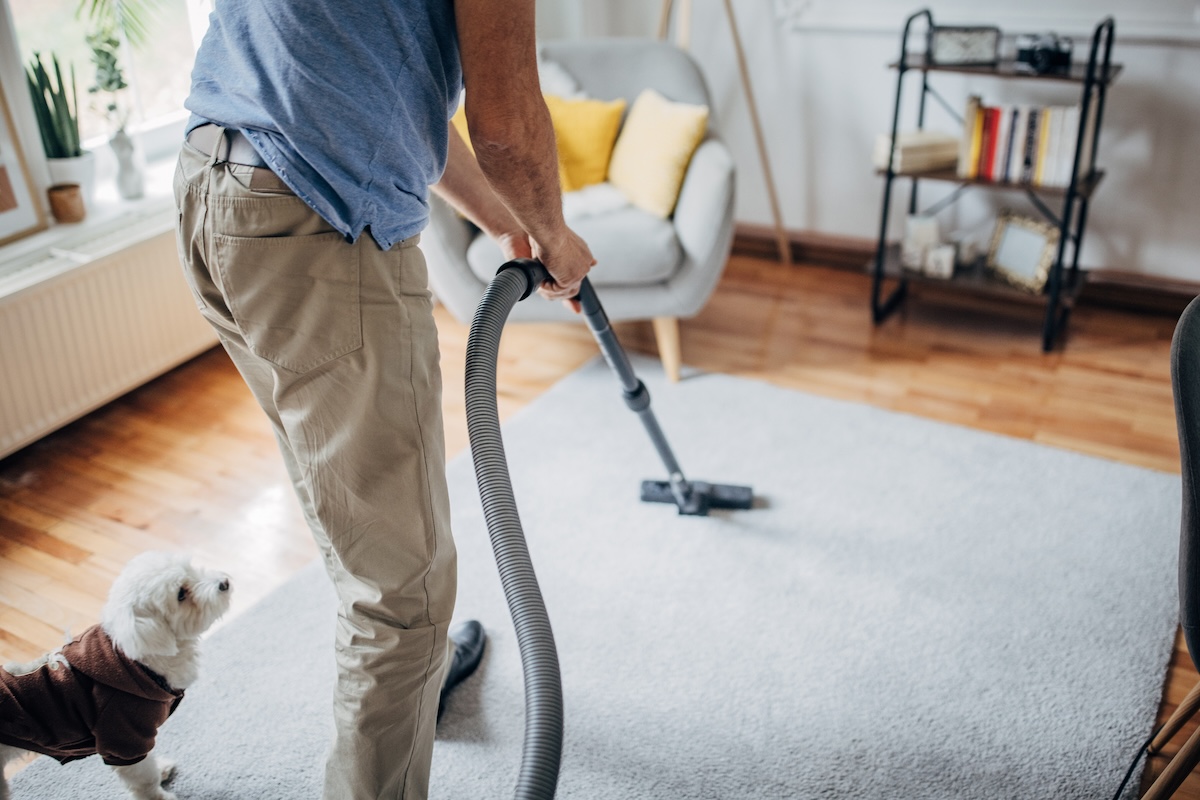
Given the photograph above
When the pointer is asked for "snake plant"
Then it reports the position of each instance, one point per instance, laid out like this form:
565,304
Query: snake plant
57,113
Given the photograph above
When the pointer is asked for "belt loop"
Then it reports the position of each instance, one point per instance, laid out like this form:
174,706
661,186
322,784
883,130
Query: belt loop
220,144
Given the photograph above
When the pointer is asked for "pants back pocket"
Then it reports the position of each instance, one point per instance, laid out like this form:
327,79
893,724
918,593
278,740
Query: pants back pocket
295,298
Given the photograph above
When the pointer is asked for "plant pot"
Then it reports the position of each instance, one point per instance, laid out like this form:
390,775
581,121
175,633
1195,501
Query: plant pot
66,202
80,170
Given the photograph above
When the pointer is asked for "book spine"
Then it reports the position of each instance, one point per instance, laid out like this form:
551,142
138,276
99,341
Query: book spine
1043,140
1016,144
997,144
1026,158
968,137
987,151
976,144
1002,152
1031,129
1060,149
997,133
1049,158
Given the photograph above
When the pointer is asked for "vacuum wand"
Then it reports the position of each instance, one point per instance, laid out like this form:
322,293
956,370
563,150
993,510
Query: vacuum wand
637,397
690,497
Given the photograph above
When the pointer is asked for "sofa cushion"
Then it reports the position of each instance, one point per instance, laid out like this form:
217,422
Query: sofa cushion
585,131
632,248
651,155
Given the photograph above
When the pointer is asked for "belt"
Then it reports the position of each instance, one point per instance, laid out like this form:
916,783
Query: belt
207,138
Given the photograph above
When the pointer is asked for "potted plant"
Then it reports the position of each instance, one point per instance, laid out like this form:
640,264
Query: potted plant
57,111
110,80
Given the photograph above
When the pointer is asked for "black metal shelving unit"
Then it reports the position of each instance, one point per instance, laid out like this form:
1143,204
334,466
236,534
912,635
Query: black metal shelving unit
1064,282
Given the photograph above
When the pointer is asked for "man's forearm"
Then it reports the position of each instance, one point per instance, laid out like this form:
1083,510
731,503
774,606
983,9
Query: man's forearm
521,164
464,186
507,117
514,141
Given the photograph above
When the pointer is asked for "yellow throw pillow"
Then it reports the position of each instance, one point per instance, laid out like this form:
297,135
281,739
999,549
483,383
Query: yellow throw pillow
459,121
585,131
653,151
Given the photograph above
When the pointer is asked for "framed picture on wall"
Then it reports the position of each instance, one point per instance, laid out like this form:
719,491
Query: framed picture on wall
20,213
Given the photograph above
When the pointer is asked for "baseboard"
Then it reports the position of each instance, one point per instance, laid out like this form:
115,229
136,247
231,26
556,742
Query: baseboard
1133,291
1112,288
821,249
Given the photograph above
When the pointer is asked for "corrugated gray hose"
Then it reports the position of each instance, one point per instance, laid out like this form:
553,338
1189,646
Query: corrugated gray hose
539,660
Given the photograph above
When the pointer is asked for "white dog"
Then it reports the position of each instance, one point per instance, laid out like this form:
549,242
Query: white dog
109,690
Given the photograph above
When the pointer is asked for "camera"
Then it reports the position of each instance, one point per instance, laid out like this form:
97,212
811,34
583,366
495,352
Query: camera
1044,53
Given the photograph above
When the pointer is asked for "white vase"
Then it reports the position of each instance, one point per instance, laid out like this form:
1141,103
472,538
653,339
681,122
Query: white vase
131,183
80,170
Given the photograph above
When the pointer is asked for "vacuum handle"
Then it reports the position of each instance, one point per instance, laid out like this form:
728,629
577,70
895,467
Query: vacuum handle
536,274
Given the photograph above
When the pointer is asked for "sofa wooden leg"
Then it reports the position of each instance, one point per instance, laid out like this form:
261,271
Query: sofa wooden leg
666,333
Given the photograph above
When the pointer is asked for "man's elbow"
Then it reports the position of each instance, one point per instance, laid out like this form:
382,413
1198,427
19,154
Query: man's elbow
508,125
496,134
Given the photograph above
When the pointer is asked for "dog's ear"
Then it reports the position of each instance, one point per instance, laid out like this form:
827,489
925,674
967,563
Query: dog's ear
140,632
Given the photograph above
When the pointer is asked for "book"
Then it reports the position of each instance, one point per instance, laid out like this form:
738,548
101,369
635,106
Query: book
987,143
1040,146
976,142
1053,147
1003,143
1016,149
918,151
1031,132
968,136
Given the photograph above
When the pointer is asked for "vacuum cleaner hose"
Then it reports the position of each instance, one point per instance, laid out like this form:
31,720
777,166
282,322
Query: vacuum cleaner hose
542,755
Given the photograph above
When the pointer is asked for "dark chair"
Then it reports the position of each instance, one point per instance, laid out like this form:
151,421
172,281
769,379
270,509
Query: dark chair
1185,382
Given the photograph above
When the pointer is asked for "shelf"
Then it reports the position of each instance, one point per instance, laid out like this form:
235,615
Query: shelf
979,281
1084,189
976,284
1009,68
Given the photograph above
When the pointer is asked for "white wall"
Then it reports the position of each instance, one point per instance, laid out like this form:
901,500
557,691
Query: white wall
821,80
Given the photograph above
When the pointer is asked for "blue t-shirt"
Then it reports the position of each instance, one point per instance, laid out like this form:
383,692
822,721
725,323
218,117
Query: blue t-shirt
347,102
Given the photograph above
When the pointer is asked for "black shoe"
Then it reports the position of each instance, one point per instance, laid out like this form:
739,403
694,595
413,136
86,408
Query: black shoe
469,640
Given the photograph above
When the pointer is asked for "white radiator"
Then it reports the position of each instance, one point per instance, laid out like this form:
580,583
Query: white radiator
85,321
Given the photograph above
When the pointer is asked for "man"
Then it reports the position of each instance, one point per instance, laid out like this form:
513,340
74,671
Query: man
317,127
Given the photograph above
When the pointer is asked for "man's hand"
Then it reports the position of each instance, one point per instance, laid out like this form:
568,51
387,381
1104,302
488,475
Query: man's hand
514,245
567,259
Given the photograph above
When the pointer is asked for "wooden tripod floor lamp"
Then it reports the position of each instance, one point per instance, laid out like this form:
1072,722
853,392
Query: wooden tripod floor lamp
683,30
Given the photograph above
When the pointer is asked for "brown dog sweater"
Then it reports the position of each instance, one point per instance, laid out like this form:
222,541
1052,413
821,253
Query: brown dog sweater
102,703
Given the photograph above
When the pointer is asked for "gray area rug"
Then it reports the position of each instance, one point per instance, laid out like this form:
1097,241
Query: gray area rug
918,611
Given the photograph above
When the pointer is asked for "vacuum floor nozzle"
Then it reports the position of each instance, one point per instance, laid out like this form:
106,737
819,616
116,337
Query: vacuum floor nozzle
700,497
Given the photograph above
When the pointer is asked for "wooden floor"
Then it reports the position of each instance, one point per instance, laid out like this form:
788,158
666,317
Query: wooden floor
188,461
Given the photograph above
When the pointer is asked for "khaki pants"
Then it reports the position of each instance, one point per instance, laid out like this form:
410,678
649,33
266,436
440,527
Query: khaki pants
337,342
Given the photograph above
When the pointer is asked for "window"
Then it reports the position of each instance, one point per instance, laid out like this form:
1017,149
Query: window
158,73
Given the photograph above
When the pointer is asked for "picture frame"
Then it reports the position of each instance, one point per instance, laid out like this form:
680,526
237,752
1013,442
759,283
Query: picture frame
963,45
20,212
1023,250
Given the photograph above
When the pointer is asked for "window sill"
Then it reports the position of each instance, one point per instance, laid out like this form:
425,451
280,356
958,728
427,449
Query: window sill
111,223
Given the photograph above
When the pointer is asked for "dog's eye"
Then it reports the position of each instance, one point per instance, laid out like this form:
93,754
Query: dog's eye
183,593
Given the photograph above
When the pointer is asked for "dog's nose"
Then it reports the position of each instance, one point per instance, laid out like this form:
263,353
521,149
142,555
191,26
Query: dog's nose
223,586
